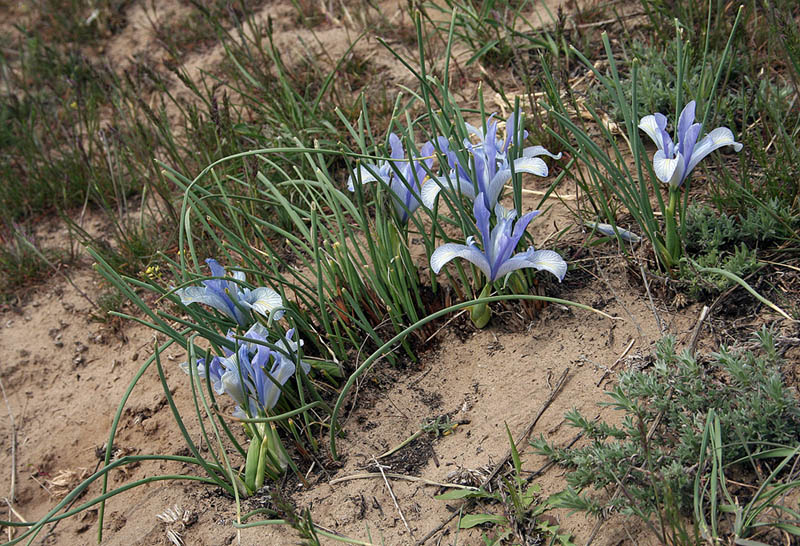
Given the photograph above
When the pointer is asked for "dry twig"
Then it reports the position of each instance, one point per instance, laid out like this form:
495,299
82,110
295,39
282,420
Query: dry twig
394,499
617,361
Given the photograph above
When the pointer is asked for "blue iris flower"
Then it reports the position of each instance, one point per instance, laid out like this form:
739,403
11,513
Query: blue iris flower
674,161
492,165
230,298
404,178
252,374
497,260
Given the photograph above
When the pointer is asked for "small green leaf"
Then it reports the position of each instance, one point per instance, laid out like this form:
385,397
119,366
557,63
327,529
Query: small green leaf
471,520
514,453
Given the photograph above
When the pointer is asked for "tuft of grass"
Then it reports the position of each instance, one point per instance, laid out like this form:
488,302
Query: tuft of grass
22,261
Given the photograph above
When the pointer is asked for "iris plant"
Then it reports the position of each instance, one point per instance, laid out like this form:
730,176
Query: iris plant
497,259
230,298
674,161
492,164
403,179
252,376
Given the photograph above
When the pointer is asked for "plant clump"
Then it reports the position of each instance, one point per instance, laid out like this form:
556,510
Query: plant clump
655,450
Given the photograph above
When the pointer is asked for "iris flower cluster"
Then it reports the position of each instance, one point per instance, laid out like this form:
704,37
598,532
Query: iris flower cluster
480,175
253,374
493,168
411,184
403,178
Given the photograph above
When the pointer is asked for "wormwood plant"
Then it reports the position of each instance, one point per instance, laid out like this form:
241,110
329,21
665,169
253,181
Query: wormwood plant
732,241
653,454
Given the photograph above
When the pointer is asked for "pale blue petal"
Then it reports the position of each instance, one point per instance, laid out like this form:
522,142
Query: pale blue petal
233,386
685,120
475,131
431,188
397,147
542,260
531,165
687,144
430,191
608,229
482,215
502,213
496,186
507,242
257,331
264,300
216,269
533,151
719,137
364,175
201,294
669,171
290,346
281,372
649,125
513,124
547,260
520,261
450,251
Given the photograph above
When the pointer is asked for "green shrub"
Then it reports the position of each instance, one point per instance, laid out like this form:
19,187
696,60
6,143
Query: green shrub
654,451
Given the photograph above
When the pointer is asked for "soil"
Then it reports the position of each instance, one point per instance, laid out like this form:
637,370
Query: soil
64,374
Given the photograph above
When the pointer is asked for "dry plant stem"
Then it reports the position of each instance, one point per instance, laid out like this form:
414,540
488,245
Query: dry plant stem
373,475
696,334
567,197
17,514
499,466
13,439
394,499
433,335
659,322
617,361
14,511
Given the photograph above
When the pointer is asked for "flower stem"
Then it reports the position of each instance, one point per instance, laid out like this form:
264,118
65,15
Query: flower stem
672,239
480,313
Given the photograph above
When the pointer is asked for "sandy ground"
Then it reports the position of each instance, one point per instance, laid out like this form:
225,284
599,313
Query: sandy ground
64,375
